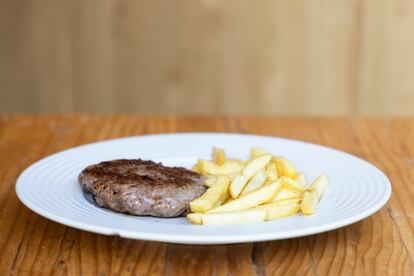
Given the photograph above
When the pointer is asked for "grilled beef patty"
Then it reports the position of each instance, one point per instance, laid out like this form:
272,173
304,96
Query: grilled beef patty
143,188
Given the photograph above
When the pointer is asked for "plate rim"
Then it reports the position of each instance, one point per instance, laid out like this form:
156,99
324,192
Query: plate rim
206,239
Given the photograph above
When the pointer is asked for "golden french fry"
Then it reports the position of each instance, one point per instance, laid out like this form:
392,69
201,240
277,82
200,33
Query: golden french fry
219,203
291,184
195,168
285,194
218,156
255,165
224,196
309,202
255,183
240,181
251,200
256,152
230,199
271,172
195,218
232,176
237,185
276,211
209,167
319,185
287,201
214,196
210,180
301,179
239,217
314,193
239,161
285,167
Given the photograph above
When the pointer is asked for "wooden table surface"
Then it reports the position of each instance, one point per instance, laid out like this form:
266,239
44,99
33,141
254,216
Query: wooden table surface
381,244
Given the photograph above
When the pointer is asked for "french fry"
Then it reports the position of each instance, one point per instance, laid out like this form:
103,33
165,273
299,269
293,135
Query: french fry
319,185
285,167
239,161
230,199
276,211
210,180
287,201
309,202
271,172
291,184
314,193
214,196
255,165
285,194
237,185
255,183
301,179
239,182
218,156
209,167
219,203
251,200
231,176
239,217
195,168
195,218
256,152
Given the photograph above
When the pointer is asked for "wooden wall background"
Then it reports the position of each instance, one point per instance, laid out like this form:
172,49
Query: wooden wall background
277,56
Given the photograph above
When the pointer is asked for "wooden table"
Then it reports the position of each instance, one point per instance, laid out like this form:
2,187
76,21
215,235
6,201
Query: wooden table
381,244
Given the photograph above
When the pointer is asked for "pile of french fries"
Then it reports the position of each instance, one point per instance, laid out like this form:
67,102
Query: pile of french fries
264,188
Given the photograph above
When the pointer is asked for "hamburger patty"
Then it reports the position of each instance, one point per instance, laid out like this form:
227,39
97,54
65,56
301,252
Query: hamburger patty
140,187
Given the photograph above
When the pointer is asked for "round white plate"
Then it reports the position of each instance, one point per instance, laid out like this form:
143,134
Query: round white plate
49,187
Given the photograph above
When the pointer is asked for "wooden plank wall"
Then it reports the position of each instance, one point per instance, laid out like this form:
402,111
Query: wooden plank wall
338,57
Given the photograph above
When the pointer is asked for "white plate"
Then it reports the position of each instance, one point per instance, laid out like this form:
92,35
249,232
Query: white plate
50,188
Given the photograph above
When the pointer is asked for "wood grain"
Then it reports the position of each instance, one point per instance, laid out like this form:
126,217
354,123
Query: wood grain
206,56
382,244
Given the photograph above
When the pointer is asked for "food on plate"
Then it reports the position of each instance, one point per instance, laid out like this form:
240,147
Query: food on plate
209,167
309,202
285,167
266,187
291,184
285,194
141,187
256,152
287,201
301,179
215,192
215,195
218,155
319,185
241,217
251,200
276,211
237,185
255,183
255,165
313,194
209,180
271,172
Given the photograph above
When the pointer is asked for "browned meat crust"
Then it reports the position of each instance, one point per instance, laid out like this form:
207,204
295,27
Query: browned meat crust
141,187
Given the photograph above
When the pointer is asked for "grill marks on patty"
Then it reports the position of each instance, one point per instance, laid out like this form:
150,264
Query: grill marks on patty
125,171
